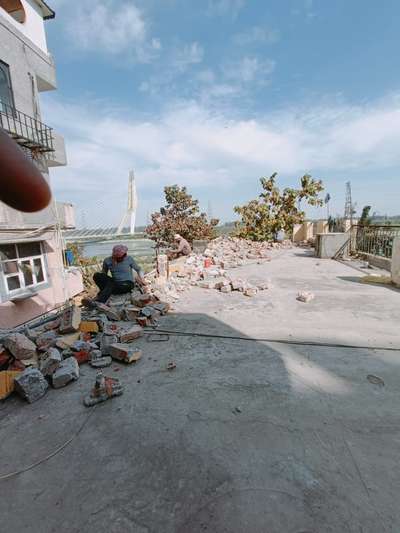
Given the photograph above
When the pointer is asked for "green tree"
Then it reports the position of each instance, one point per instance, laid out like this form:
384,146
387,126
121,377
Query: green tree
365,219
181,214
274,210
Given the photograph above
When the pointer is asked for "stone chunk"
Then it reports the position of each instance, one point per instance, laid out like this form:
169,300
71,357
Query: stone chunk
98,361
129,335
226,288
106,342
110,313
66,372
131,312
125,353
70,320
31,384
66,341
305,296
250,291
46,340
162,307
50,362
20,346
238,285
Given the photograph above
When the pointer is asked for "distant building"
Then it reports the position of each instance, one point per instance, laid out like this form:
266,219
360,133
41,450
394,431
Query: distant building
33,279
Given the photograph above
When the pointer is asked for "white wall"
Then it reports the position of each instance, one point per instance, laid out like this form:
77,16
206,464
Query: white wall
33,27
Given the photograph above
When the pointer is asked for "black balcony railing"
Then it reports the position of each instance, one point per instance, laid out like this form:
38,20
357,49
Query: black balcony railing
25,130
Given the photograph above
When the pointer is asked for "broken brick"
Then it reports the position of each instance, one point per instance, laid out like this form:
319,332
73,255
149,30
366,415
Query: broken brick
125,353
134,332
89,327
70,320
305,297
106,342
131,312
7,382
110,313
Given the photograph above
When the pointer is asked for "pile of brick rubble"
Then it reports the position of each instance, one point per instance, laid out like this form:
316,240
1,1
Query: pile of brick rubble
209,269
50,355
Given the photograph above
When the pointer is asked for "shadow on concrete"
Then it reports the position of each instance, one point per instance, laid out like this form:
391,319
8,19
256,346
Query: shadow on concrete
357,279
242,437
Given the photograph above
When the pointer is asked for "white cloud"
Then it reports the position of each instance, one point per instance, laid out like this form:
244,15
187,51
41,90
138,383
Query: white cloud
110,26
249,69
225,7
190,145
188,54
257,35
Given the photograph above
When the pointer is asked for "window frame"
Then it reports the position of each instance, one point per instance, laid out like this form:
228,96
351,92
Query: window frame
7,71
23,287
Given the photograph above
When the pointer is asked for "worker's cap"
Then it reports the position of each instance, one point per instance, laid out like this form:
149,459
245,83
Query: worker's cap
177,237
119,250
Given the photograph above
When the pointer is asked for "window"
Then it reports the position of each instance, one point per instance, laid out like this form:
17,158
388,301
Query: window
22,265
6,93
15,9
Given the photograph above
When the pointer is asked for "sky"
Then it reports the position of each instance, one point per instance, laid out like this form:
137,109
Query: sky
214,94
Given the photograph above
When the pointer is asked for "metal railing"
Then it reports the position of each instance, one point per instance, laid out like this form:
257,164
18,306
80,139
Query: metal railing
26,130
375,240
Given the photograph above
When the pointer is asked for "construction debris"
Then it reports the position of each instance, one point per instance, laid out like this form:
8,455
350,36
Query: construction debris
50,361
67,371
208,269
7,384
20,346
125,353
304,296
31,385
70,320
104,389
98,360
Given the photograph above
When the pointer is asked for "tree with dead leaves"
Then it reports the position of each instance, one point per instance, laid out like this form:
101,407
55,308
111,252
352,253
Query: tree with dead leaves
274,210
181,214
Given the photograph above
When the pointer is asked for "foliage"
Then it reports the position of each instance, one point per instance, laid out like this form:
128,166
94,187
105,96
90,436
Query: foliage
181,214
274,210
365,219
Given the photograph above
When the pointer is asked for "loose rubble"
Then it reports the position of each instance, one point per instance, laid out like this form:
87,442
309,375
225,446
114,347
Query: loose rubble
104,389
52,353
208,269
304,296
67,371
31,385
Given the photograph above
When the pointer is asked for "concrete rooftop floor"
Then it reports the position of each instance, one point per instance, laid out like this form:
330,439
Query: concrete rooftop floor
243,436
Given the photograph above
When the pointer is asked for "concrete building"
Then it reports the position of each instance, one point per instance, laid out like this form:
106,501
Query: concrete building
33,279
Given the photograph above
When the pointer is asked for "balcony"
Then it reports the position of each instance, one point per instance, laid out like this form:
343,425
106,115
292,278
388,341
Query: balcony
27,131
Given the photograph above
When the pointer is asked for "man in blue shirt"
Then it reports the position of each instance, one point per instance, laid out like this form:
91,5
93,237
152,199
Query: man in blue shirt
120,266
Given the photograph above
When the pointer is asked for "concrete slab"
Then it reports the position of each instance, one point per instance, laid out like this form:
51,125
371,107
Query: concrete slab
242,437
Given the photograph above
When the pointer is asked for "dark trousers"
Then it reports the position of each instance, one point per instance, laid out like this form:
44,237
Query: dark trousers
108,286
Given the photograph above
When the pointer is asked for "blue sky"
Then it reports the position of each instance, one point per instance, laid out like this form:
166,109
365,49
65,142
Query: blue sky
214,94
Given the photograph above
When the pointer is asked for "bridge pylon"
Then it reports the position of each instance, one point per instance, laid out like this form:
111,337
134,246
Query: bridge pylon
129,218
